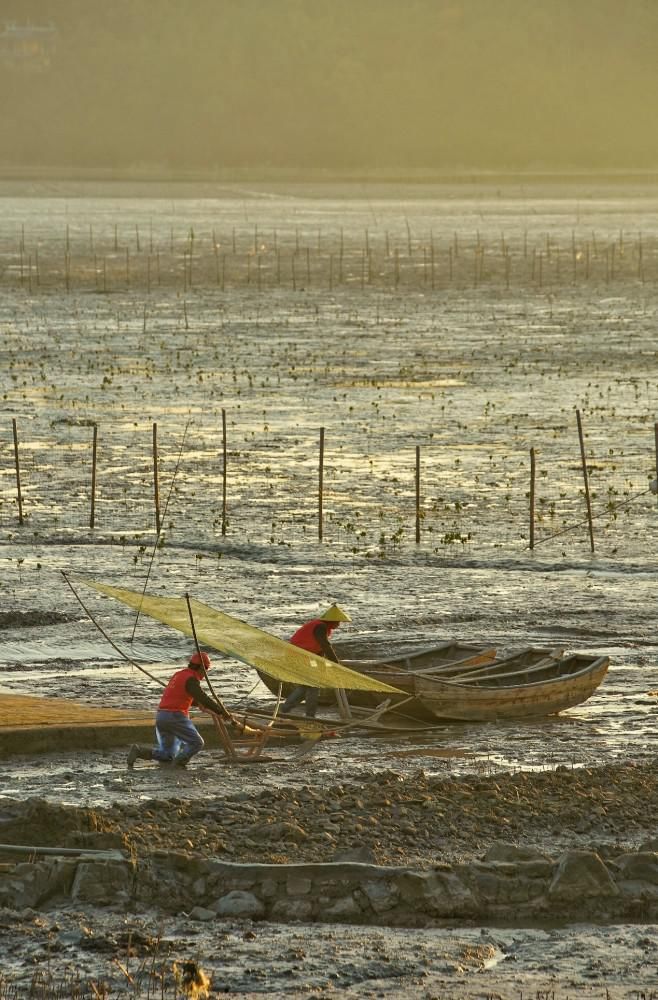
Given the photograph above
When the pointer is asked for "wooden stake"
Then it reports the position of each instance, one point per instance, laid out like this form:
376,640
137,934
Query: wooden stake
320,483
19,494
156,487
94,454
417,494
586,479
532,498
224,472
655,434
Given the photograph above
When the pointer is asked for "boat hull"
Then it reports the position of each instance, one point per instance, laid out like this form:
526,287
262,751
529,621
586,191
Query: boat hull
400,671
570,681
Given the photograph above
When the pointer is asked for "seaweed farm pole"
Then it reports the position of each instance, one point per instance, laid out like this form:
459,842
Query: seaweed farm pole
94,454
19,495
224,452
417,494
585,477
532,498
156,486
655,435
320,483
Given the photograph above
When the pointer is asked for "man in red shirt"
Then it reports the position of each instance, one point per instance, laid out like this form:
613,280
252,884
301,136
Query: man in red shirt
178,738
315,636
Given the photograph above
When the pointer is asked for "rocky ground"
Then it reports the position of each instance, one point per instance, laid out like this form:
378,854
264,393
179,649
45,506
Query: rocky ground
389,819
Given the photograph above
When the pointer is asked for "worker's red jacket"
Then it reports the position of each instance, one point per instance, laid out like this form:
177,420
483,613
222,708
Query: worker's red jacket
306,638
184,690
175,697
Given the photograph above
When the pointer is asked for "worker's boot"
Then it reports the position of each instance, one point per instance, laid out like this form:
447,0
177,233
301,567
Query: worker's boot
138,753
181,761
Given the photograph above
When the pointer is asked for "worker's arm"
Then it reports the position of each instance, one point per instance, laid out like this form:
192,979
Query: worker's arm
193,688
321,633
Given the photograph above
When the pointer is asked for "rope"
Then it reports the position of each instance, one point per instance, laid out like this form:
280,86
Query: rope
106,636
579,524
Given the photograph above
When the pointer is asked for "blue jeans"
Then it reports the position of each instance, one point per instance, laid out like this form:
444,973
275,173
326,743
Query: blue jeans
300,694
178,737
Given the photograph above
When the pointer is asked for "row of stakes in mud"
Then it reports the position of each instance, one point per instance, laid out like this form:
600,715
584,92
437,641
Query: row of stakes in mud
267,259
159,513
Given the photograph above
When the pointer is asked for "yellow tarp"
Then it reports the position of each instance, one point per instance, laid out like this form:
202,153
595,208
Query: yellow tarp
246,643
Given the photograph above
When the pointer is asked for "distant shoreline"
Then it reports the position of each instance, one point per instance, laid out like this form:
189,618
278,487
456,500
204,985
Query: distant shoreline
240,182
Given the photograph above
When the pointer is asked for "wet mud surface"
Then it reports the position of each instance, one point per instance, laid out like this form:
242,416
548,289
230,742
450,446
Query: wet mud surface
476,375
253,960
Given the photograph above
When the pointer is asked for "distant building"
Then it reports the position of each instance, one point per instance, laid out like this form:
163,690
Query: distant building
27,47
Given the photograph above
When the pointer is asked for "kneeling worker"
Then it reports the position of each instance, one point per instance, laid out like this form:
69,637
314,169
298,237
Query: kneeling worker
315,636
178,738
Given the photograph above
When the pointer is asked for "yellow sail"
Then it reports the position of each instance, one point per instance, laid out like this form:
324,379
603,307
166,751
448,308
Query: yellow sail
244,642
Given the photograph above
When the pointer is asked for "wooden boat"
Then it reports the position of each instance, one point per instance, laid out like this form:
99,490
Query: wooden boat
508,690
401,669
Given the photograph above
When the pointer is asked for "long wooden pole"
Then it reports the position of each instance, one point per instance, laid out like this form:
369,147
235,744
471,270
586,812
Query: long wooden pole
320,484
532,498
586,480
222,731
94,454
224,451
655,434
417,494
18,472
156,486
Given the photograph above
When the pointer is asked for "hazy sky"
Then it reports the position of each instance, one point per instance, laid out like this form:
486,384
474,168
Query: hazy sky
331,83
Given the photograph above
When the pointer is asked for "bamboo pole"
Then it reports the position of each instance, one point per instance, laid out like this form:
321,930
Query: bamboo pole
532,498
320,484
94,456
19,494
417,494
586,480
224,473
220,725
156,486
655,435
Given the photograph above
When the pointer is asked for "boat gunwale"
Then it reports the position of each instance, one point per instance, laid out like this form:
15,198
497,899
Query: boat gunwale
598,663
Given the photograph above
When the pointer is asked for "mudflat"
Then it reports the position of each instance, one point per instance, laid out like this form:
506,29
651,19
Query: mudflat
471,325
